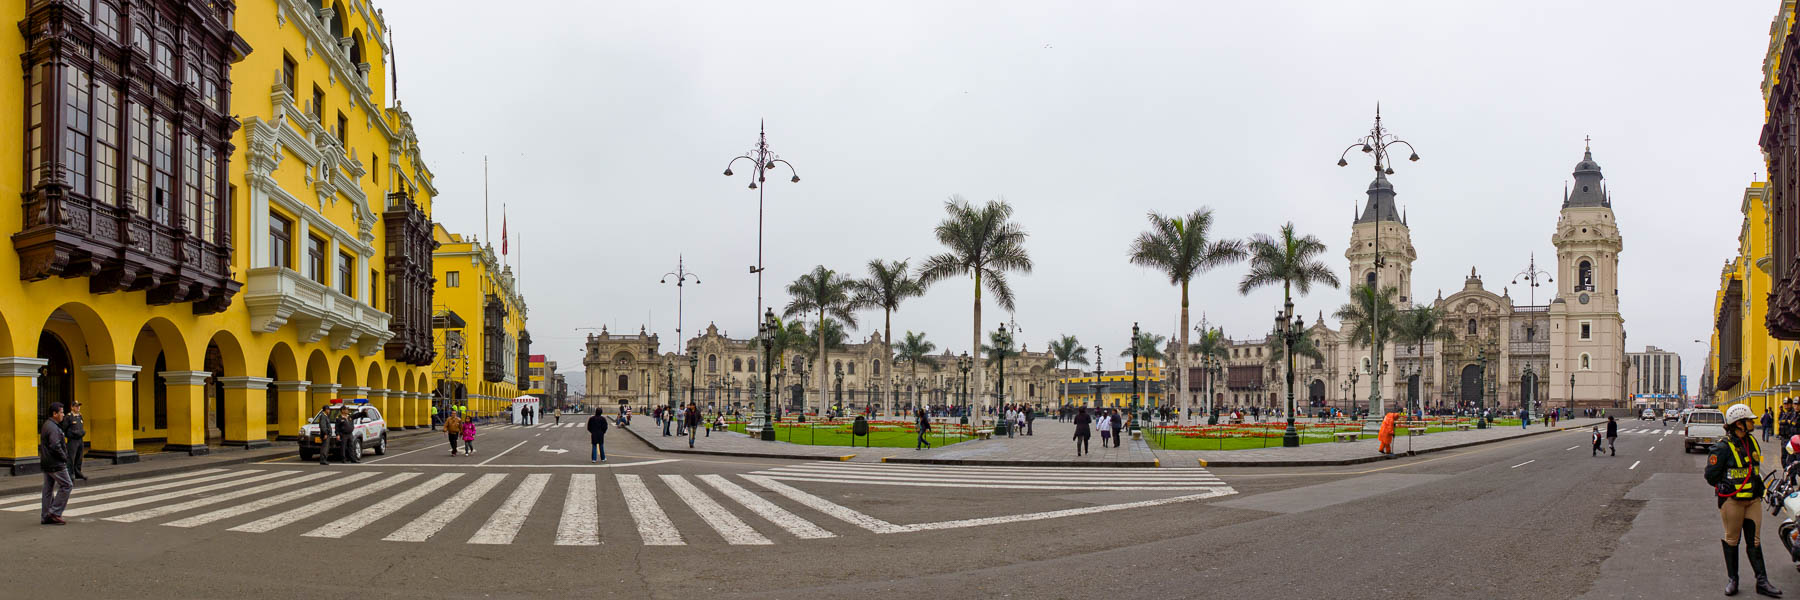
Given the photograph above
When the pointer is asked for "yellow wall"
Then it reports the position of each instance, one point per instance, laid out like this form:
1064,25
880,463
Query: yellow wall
479,273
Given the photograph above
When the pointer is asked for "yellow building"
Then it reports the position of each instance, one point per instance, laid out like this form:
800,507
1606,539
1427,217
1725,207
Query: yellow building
488,328
199,259
1115,389
535,373
1747,364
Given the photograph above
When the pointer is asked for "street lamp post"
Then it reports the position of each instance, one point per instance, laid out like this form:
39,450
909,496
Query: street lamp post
837,399
1001,344
1099,380
763,160
1571,394
670,393
1290,334
1376,144
768,411
963,363
681,276
1136,416
693,373
1481,391
1353,377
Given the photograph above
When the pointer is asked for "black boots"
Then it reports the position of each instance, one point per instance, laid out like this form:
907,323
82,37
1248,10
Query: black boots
1762,578
1731,567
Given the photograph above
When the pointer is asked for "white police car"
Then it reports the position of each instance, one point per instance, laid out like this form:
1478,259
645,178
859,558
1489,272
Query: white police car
368,430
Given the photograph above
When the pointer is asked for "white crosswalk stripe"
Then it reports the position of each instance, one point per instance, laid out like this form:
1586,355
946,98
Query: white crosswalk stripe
88,490
83,498
1044,478
362,518
504,524
430,523
665,510
277,521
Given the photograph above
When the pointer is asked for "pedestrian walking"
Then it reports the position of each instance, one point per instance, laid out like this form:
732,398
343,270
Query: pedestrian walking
923,426
1081,431
596,426
1118,426
453,429
1612,435
54,462
691,420
468,437
1596,450
75,431
1385,435
1732,471
1768,423
1105,426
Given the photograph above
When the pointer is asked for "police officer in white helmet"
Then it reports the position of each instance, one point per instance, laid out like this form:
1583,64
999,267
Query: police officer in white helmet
1732,471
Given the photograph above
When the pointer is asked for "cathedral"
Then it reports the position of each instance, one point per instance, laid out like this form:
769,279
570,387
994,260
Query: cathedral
1498,352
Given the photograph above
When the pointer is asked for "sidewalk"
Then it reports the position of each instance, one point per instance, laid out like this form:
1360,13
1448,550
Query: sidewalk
164,463
1361,451
1053,446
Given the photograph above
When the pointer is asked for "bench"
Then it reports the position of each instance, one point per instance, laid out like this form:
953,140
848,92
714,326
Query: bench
984,434
1462,426
1415,431
1137,435
1346,436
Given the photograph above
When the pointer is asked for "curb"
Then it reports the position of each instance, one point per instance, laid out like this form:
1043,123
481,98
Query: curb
1137,464
1375,458
653,446
179,466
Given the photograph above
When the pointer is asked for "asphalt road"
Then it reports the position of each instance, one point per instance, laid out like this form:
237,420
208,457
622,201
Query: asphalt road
1530,518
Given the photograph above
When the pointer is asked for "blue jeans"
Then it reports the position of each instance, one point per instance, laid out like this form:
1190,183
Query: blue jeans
599,451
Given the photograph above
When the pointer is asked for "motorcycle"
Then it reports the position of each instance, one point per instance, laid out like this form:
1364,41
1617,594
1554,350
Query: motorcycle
1783,497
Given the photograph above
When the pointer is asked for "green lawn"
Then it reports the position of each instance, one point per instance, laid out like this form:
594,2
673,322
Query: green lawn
880,436
1269,436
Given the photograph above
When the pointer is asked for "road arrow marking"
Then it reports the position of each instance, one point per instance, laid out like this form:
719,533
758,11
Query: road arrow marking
546,448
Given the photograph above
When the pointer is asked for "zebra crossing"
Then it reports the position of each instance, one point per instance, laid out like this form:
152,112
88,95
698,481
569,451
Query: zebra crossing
578,509
506,426
1650,431
1010,478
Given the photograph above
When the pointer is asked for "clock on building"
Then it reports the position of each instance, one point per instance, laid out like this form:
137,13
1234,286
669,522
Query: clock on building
1583,298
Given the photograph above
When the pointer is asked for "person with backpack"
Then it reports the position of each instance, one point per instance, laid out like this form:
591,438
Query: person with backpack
453,429
596,426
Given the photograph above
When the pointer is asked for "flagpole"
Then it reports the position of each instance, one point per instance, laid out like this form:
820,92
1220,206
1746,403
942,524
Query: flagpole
484,198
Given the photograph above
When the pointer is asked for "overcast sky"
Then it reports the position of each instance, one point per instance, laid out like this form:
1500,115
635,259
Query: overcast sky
608,124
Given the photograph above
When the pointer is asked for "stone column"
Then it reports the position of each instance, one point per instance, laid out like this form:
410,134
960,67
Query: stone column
290,406
18,417
246,412
378,398
187,393
322,394
108,410
416,404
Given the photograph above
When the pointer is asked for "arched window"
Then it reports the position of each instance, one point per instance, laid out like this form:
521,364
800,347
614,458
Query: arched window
752,365
1584,276
737,365
1471,327
853,367
624,382
799,364
1586,364
712,363
877,366
1371,279
356,48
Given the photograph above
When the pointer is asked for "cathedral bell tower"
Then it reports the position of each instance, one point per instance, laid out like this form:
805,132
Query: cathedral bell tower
1587,332
1379,236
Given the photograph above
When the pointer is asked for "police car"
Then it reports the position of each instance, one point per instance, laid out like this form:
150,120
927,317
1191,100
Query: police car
368,429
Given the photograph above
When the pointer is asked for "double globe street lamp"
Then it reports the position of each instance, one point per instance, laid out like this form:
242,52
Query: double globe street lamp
1290,333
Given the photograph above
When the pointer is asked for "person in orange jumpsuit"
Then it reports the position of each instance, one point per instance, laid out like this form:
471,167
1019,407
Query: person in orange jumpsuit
1386,434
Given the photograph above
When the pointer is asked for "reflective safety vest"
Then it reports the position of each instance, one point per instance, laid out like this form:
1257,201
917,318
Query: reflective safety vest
1740,472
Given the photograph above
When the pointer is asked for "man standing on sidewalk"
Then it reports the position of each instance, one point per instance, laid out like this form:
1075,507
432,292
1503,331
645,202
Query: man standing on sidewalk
596,426
76,433
51,451
690,419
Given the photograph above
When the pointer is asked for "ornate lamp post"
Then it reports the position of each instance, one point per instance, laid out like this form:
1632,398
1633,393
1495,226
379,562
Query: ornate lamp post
764,418
1137,416
1290,335
671,391
963,363
1376,144
1099,380
693,373
1571,394
681,276
763,161
1481,391
1001,342
837,399
1354,375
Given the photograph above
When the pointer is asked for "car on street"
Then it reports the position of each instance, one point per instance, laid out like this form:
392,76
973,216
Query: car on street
1704,427
1649,414
368,429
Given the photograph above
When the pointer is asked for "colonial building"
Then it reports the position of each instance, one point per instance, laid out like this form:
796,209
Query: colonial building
1499,353
198,256
482,314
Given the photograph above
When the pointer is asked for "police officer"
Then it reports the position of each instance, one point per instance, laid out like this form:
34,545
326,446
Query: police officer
1732,471
327,434
344,430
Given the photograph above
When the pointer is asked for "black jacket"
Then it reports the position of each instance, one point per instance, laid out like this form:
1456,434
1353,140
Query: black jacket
597,428
73,427
1720,461
1612,429
52,453
690,418
1081,425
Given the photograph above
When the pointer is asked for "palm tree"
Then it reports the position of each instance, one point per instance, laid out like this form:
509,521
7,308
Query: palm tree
914,349
1304,347
888,284
1292,261
1065,350
1179,248
787,337
1369,318
1212,343
828,293
983,243
1420,325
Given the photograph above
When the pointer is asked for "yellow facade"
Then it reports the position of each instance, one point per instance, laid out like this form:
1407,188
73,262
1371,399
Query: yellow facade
163,378
1765,366
474,284
1118,389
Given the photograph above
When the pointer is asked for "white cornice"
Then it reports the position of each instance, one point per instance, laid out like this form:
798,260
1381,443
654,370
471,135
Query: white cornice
318,35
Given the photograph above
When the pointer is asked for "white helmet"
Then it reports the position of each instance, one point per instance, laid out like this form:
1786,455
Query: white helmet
1738,412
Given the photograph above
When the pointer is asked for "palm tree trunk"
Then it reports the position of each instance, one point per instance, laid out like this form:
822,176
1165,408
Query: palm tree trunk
821,366
975,345
1181,350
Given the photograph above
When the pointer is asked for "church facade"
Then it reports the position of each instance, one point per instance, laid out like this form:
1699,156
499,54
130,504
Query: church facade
1500,352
